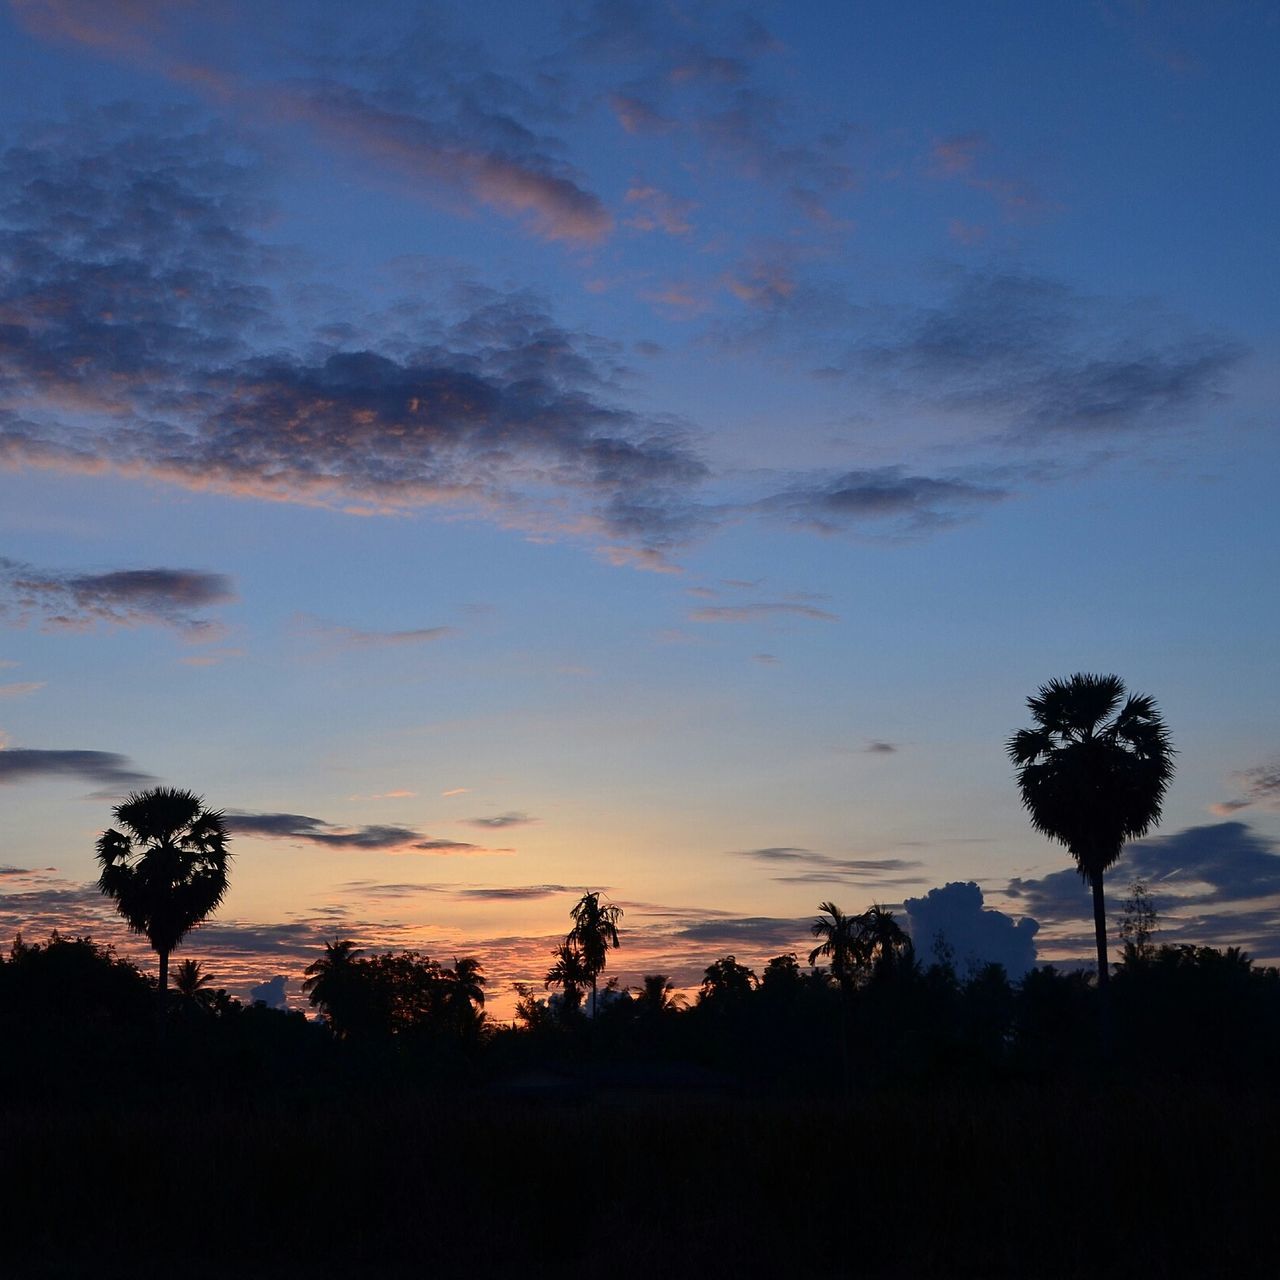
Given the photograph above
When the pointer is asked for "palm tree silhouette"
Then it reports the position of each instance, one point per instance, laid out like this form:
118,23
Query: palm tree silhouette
190,981
330,984
167,870
595,930
1093,774
657,996
882,942
841,942
571,974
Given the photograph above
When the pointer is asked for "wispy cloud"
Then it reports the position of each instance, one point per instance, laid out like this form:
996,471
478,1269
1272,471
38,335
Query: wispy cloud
347,638
760,612
123,597
1260,786
501,821
374,837
110,770
804,866
21,688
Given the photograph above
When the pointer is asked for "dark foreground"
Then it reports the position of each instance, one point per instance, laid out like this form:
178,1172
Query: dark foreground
1062,1183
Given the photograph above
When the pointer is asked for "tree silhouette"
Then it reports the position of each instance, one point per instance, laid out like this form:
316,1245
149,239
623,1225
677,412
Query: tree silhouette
1093,774
841,942
571,974
881,944
726,982
594,931
167,870
190,981
657,996
331,985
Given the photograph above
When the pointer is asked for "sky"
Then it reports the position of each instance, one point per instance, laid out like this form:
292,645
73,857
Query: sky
499,451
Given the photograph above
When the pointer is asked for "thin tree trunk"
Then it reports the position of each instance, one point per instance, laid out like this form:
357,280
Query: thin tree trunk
1100,929
1104,975
163,1006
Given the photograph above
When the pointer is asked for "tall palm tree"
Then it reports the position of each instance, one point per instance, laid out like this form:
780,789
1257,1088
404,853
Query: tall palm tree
167,870
1093,773
594,931
657,996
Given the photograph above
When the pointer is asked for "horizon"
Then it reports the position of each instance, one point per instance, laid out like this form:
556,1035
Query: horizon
495,455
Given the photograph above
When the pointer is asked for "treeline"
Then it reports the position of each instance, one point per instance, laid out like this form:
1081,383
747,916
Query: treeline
75,1015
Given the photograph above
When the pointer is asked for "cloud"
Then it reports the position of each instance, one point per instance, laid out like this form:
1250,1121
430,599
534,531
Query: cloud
764,932
1260,786
273,992
141,339
514,893
379,837
881,748
884,495
109,770
759,612
21,689
446,134
1217,884
432,144
501,820
1044,359
348,638
974,934
656,210
804,866
123,597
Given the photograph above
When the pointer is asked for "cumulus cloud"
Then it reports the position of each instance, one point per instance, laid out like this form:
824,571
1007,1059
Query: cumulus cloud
379,837
273,992
109,770
953,920
123,597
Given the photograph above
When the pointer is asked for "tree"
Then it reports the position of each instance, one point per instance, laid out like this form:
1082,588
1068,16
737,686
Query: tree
841,940
167,871
571,974
1093,772
881,943
594,931
726,982
1139,925
657,996
331,984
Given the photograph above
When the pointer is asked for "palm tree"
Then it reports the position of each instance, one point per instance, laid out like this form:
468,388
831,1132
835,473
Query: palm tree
595,930
1093,773
657,996
190,981
167,870
841,942
570,974
330,984
882,942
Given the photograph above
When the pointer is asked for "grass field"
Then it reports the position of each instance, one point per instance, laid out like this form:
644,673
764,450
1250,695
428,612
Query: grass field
1031,1184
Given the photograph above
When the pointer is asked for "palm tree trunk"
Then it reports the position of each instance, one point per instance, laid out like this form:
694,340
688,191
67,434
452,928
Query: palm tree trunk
162,1005
1100,929
1104,975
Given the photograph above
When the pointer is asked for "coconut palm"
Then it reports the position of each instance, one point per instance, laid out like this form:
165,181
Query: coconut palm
1093,773
595,930
657,996
167,870
571,974
331,984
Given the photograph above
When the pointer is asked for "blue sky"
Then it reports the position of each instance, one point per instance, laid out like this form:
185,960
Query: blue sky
504,450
